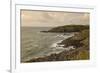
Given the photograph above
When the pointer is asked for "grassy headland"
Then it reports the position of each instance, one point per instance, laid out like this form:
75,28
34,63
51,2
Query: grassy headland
68,28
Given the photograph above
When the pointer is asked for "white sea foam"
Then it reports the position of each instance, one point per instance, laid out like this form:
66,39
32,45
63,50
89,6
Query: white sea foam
57,46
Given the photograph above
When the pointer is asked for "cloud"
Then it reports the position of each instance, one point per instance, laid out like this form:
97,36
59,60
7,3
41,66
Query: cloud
44,18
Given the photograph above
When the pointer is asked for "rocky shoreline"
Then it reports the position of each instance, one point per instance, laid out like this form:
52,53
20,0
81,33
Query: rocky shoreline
80,41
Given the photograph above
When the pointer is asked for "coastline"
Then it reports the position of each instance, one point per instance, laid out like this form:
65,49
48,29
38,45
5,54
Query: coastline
56,47
79,48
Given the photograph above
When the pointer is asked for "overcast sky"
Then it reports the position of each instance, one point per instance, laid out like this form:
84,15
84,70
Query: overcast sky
47,18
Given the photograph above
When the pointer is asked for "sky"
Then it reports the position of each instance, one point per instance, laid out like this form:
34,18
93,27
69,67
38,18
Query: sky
52,19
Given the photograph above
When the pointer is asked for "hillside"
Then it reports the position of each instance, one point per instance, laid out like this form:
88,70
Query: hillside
69,28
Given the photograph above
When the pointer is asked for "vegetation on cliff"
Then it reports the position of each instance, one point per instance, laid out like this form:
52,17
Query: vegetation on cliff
69,28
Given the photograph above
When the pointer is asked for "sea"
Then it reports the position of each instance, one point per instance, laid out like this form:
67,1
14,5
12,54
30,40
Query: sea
35,43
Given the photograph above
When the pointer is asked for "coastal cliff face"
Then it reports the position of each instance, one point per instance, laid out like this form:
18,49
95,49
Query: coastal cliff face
80,41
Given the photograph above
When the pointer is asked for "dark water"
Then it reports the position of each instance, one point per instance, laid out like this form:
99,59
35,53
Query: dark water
36,44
